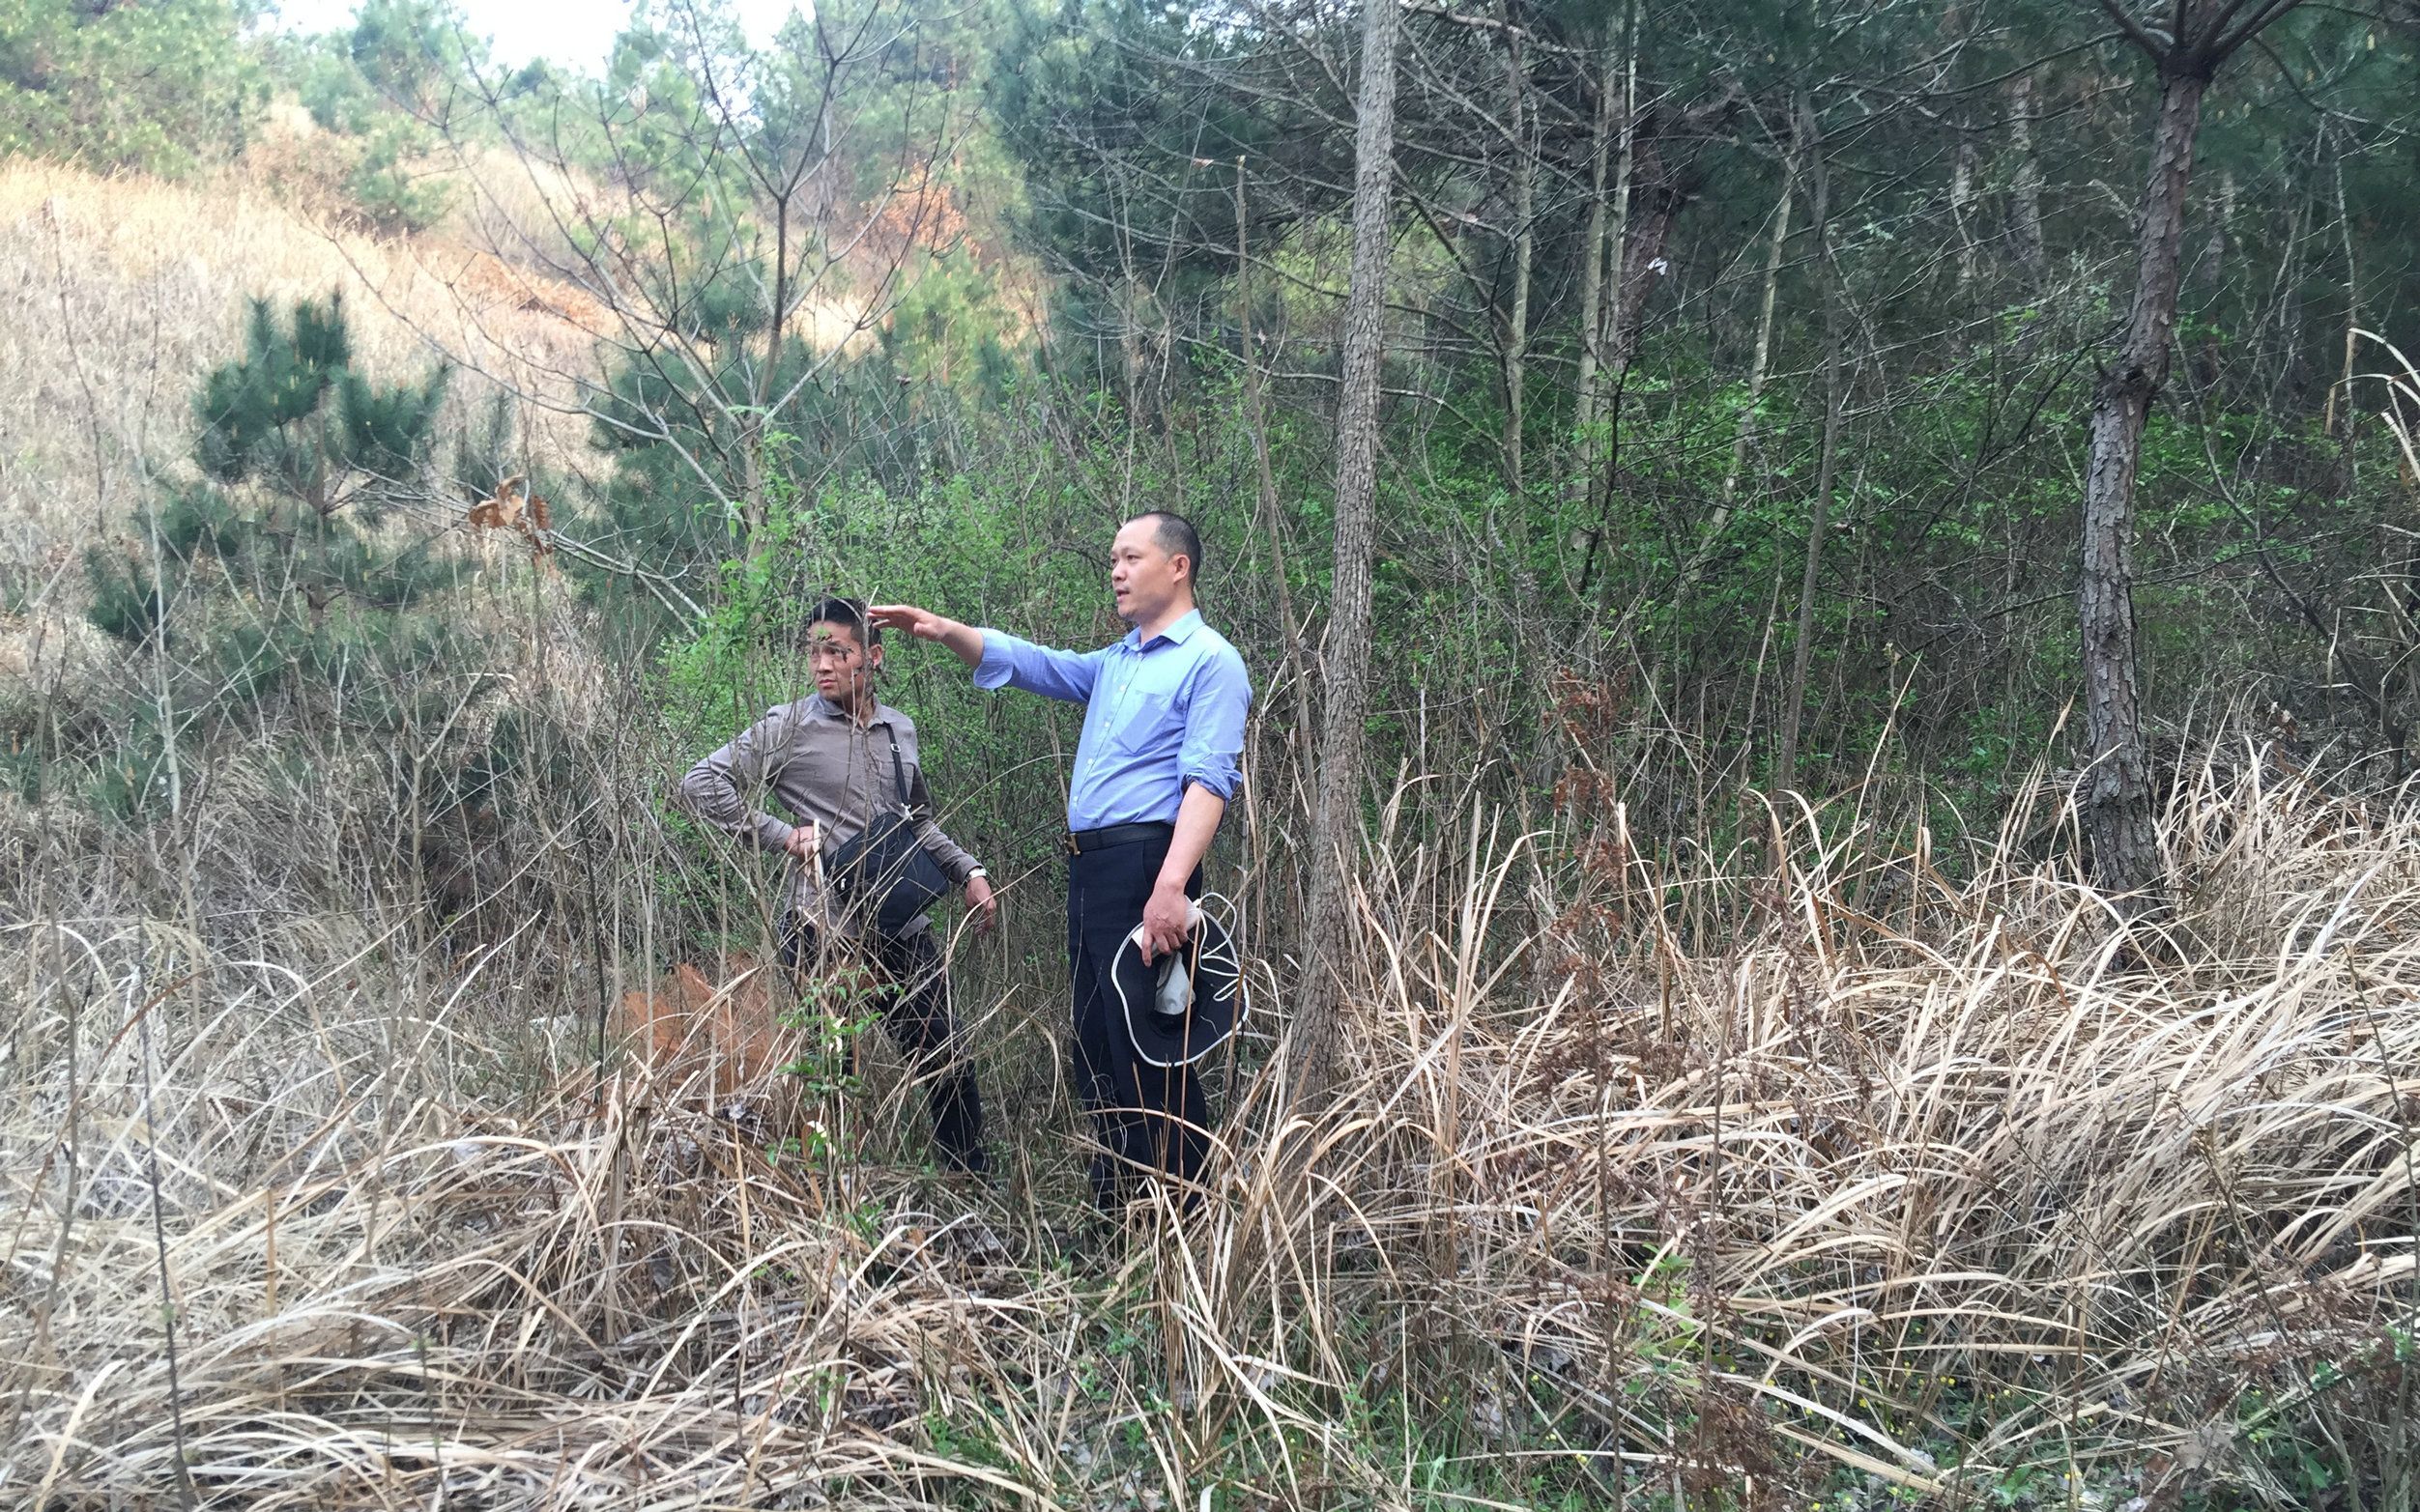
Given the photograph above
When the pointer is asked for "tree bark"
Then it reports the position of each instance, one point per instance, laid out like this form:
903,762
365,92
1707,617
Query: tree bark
1524,247
2024,184
2117,793
2340,393
1345,657
2211,275
1593,282
1602,361
1962,193
1827,465
1625,172
1649,218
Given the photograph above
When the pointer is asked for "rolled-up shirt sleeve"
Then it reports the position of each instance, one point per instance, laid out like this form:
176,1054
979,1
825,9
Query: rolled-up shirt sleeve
1009,662
714,787
1214,726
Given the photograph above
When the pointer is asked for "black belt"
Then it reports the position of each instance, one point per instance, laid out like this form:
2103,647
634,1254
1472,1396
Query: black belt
1108,835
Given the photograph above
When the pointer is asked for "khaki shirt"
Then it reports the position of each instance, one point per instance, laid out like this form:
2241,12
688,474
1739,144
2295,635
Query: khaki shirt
820,766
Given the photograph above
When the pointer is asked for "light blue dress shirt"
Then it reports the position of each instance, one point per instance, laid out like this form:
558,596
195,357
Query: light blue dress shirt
1158,715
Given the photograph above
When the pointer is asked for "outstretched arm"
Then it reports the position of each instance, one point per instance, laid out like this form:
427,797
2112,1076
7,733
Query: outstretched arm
925,625
1000,660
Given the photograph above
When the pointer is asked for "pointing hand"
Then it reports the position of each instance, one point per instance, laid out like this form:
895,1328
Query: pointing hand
922,623
925,625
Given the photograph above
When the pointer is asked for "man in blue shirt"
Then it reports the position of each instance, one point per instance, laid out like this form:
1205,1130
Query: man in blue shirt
1163,723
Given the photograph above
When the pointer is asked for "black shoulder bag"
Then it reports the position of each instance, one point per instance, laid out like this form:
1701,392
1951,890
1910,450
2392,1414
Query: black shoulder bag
883,872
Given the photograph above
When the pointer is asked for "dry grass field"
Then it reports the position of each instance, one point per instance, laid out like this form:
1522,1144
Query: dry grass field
1798,1174
1807,1169
117,293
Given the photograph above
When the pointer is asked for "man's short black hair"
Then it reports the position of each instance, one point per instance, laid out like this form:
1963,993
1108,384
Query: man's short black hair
1177,536
848,612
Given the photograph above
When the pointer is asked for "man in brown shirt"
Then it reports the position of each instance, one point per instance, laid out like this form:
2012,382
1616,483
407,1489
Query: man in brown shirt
827,761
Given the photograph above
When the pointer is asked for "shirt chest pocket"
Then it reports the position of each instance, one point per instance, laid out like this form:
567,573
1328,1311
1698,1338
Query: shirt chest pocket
817,766
845,776
1146,724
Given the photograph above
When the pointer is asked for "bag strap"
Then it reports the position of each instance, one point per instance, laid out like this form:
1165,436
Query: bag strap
899,772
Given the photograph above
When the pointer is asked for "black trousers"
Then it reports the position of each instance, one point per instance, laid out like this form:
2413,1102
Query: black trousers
1146,1117
914,1000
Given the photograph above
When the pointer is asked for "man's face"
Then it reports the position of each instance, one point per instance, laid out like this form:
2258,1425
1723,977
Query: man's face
844,668
1142,576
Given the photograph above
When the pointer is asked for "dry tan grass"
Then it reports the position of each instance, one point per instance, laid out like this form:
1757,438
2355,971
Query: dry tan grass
1693,1180
116,293
1821,1160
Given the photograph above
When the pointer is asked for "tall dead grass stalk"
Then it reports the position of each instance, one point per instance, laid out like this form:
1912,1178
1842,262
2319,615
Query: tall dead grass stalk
1708,1175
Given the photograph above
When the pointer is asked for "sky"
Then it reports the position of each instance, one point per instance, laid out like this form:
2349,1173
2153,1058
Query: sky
577,33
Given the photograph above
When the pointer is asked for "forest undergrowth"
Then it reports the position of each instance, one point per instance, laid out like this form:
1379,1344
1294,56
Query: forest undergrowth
396,500
1823,1169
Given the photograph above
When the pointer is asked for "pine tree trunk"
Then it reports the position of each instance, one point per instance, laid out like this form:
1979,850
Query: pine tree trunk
1593,281
1524,246
2117,793
1827,467
1345,658
1962,194
2025,182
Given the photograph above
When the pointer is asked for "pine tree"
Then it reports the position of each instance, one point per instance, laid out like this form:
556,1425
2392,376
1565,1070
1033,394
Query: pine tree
301,457
265,418
275,611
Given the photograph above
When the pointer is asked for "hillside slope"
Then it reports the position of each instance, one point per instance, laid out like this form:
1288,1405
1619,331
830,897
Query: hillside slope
118,293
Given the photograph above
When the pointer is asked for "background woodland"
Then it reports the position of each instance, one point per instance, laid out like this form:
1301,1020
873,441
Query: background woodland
1827,853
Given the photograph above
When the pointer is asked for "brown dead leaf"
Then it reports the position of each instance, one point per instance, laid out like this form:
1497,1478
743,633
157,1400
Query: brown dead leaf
722,1038
514,508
